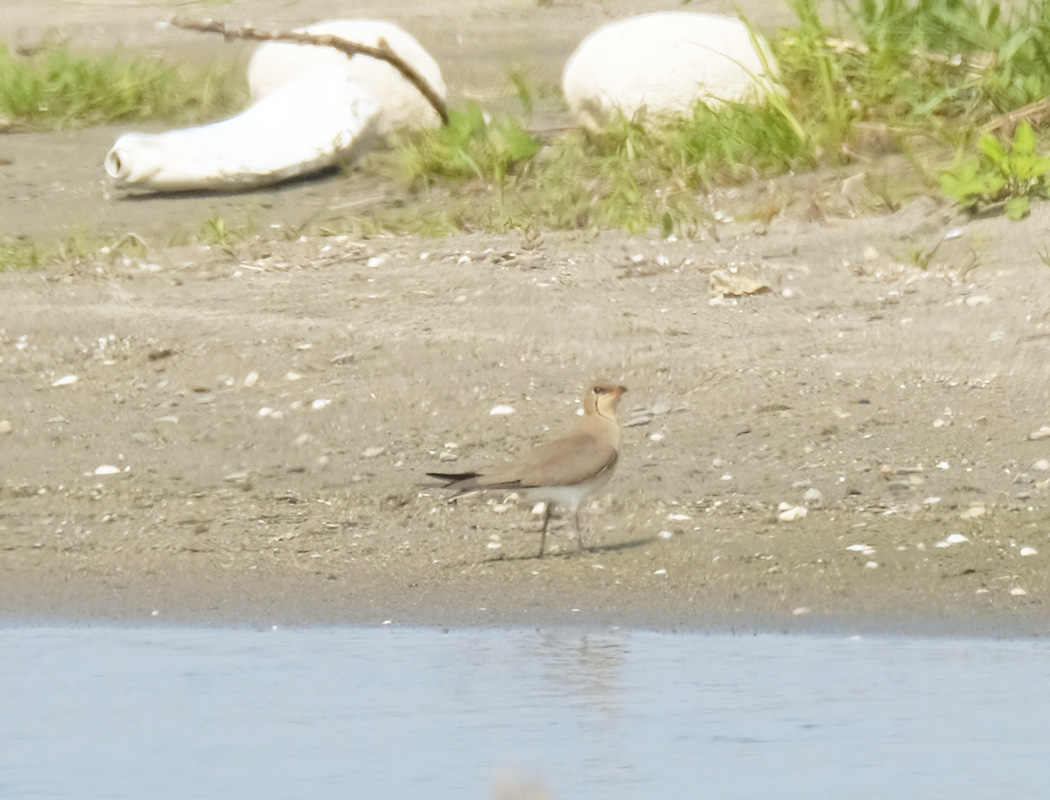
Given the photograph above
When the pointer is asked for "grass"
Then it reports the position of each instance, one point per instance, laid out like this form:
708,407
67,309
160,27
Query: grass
56,88
76,246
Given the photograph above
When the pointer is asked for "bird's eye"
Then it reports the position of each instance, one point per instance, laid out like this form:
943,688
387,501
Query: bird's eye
599,390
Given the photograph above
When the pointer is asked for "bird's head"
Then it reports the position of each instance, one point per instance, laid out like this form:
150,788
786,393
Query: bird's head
602,399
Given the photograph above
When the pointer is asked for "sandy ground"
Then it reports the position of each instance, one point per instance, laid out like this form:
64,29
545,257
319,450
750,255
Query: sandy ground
247,434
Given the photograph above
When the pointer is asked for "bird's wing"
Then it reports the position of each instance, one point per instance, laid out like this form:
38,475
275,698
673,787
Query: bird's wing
574,459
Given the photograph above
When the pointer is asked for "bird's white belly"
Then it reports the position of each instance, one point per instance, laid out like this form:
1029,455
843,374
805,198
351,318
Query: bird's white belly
568,497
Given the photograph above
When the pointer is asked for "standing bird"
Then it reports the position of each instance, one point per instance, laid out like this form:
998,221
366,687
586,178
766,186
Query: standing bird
562,472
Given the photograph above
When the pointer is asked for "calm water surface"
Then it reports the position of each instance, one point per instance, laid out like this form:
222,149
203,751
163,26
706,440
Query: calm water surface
194,714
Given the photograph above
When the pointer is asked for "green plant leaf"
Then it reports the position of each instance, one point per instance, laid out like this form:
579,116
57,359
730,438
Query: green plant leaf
1024,139
993,149
1017,208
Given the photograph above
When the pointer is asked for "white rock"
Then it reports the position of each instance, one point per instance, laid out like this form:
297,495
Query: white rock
65,380
319,119
1017,591
955,538
1042,433
1042,465
251,379
5,426
372,452
401,105
107,469
666,534
1028,551
501,411
664,63
813,495
793,513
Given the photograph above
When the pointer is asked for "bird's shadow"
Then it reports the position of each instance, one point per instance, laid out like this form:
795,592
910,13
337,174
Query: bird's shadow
596,550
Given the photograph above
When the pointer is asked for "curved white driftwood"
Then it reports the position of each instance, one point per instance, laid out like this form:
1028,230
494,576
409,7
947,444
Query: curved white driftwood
663,64
318,119
401,104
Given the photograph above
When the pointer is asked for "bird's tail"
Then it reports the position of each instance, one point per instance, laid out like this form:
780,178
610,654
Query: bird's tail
452,478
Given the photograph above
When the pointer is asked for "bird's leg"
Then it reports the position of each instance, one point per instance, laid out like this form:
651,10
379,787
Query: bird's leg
548,509
579,533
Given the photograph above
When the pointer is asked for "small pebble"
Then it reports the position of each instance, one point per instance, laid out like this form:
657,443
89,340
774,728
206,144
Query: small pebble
1042,465
793,513
372,452
1042,433
320,403
871,565
661,407
1017,591
973,512
251,379
660,572
813,496
501,411
1028,551
107,469
65,380
5,426
665,534
978,300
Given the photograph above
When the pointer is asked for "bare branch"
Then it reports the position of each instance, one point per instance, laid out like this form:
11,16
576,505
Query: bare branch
383,51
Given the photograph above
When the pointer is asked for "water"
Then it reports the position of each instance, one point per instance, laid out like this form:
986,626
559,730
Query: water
192,714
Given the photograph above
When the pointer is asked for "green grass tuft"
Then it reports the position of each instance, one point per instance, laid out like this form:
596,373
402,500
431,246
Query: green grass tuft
57,88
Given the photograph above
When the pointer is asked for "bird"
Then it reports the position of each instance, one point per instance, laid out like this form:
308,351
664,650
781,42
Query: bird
561,472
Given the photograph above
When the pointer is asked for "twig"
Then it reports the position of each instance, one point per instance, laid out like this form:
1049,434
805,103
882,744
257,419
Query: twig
383,51
1036,114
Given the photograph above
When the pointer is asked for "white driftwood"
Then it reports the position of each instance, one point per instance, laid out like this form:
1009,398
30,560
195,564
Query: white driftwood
661,65
401,104
318,119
